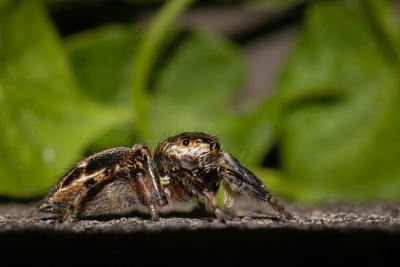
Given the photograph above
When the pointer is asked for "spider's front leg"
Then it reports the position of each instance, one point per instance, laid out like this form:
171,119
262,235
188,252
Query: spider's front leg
242,180
200,185
212,201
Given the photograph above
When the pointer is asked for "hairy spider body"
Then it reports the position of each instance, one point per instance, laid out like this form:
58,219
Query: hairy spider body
186,166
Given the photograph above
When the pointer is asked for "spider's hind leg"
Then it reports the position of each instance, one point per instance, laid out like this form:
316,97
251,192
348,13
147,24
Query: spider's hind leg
147,195
145,178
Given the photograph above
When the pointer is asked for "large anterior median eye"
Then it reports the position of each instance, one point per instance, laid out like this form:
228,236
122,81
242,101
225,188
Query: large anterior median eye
186,142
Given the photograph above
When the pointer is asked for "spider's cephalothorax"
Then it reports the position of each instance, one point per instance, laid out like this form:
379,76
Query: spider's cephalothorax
185,166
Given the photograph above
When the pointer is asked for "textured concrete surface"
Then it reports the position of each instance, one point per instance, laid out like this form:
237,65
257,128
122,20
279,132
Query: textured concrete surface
361,232
245,215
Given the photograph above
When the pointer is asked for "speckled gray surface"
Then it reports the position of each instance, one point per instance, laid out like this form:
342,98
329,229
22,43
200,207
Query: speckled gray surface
244,215
364,233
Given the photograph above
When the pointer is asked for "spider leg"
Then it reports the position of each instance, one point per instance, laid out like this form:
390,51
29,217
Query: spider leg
73,210
147,195
79,192
69,196
228,199
149,165
213,203
242,180
144,177
194,186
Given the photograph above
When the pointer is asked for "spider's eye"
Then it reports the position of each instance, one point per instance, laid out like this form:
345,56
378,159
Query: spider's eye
185,142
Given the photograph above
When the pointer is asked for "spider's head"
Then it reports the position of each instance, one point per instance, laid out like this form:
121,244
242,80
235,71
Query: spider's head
189,150
198,155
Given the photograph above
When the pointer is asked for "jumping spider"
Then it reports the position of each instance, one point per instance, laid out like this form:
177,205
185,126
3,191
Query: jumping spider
185,166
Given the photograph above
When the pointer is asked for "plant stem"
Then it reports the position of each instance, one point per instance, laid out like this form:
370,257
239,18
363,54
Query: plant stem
148,51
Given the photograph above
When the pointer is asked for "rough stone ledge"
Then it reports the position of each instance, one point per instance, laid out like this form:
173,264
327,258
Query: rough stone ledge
355,230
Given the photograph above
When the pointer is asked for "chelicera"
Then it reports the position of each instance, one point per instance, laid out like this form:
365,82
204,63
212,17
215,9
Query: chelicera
187,166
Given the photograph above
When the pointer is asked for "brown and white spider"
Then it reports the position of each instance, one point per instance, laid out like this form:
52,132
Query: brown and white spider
185,166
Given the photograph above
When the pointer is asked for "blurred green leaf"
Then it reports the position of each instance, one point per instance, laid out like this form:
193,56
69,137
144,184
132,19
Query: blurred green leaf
275,5
253,132
195,88
333,113
345,145
149,49
102,61
45,122
193,82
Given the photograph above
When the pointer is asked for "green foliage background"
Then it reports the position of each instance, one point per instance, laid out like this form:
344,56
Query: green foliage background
334,112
